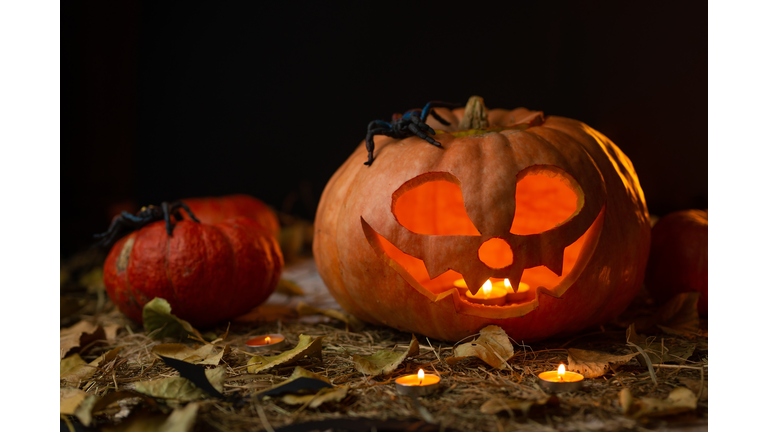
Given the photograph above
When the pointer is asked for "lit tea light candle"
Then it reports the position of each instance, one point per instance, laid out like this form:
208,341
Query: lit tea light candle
523,289
489,294
420,384
561,381
268,342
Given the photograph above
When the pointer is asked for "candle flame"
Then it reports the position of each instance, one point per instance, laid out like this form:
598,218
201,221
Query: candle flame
487,287
507,284
421,376
267,340
561,372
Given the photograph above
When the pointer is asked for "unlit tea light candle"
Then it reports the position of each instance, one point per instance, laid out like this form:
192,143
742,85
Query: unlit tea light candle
265,342
420,384
561,381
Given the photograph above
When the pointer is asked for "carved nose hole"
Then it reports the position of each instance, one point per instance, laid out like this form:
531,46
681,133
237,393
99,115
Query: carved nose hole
495,253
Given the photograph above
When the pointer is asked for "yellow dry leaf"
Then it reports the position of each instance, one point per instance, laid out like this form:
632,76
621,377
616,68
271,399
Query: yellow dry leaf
285,387
353,323
679,400
84,410
493,347
181,388
625,400
79,335
496,405
289,288
82,371
203,355
384,362
335,394
110,331
160,322
70,398
70,364
308,346
593,364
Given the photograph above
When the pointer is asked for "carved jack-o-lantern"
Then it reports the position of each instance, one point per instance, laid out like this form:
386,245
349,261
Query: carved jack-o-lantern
544,206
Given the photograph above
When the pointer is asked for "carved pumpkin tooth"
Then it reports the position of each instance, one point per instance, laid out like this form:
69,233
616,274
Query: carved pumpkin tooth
475,282
555,263
514,276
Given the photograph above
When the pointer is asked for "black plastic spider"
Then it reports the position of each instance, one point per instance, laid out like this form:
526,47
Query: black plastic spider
143,217
409,124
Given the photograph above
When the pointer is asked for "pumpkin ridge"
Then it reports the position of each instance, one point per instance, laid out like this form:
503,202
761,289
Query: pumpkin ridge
128,287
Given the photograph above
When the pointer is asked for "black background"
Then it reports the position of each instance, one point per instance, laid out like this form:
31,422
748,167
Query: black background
164,100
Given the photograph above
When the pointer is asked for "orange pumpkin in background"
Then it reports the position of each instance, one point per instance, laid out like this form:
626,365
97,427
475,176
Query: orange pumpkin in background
524,200
212,210
208,273
679,259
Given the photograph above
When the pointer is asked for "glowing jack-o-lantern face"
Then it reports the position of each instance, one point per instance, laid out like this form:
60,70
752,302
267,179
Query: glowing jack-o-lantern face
546,204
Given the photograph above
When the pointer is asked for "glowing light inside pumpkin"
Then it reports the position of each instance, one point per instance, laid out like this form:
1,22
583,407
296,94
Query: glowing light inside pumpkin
561,372
421,376
507,285
487,287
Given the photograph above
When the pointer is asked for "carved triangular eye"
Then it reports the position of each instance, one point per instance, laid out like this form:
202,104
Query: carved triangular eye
432,204
545,197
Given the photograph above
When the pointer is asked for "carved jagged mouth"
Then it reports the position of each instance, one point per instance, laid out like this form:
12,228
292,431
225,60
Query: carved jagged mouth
441,288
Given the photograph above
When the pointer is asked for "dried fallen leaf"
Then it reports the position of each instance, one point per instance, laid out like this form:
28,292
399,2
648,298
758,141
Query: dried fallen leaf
289,288
181,420
593,364
353,323
181,388
195,374
324,395
110,331
384,362
679,400
625,400
81,371
84,411
496,405
78,336
671,350
301,380
695,385
204,355
157,316
308,346
70,399
492,347
70,364
679,315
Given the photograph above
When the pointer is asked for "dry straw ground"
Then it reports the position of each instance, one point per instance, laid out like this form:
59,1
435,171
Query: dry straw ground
473,396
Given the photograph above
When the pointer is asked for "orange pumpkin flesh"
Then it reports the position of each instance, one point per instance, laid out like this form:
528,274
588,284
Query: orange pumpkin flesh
207,273
556,195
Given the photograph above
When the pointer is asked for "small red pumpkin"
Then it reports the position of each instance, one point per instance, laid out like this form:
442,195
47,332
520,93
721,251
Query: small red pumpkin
211,210
208,273
679,259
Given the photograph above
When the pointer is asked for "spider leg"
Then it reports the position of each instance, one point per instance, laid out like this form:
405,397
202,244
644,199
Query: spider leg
167,217
437,104
119,222
369,141
420,133
189,212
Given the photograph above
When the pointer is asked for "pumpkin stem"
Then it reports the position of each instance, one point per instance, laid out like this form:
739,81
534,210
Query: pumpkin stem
475,114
